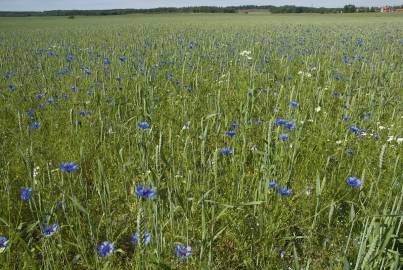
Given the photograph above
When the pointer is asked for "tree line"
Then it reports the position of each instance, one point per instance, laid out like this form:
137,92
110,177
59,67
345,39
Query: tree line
201,9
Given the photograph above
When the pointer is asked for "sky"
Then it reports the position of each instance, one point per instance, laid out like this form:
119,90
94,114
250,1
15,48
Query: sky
39,5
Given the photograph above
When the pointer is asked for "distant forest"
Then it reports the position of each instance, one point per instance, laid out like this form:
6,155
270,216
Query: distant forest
201,9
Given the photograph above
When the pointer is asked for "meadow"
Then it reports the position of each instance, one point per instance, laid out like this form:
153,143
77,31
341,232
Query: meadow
201,142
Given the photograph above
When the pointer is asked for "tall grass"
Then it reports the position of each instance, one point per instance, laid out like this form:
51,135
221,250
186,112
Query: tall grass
186,77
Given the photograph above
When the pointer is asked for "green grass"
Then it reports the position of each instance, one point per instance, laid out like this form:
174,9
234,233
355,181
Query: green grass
219,205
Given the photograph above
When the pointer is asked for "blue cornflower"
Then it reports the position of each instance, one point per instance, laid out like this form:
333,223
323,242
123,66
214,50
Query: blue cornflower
70,58
145,192
285,191
353,182
290,125
9,75
346,117
234,125
227,151
272,184
281,122
360,42
284,137
48,231
294,104
82,113
3,243
143,125
183,251
39,96
350,152
25,194
31,114
50,100
230,133
357,130
105,249
107,61
35,125
11,87
147,238
69,167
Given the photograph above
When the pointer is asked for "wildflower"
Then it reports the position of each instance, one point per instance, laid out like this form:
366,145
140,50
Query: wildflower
294,104
272,184
318,109
285,191
145,192
107,61
9,75
346,117
36,171
75,88
50,100
30,114
234,125
39,96
105,249
143,125
281,122
25,194
3,243
284,137
245,53
35,125
183,251
227,151
70,58
399,140
11,87
290,125
350,152
69,167
353,182
186,125
230,133
48,231
147,238
357,130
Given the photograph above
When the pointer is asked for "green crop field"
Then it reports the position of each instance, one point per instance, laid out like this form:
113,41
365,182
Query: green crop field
193,141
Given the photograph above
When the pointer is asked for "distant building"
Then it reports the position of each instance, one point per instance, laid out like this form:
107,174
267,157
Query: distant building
386,9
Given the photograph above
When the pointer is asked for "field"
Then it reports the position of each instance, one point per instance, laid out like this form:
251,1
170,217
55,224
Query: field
261,141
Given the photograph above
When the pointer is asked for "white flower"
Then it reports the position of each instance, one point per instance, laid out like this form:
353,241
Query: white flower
381,127
390,138
300,72
245,53
309,75
399,140
36,171
317,109
339,142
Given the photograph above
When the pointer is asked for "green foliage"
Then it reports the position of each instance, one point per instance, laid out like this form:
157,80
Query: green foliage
219,205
